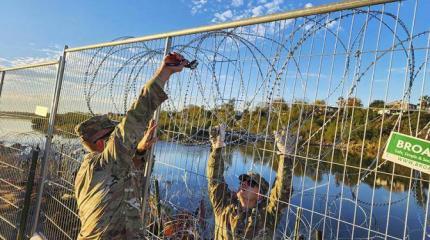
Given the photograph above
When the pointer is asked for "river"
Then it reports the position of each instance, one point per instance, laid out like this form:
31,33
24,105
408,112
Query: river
326,188
181,170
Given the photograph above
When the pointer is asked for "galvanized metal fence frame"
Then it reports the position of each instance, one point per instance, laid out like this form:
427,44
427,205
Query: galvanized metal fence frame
169,36
49,136
25,209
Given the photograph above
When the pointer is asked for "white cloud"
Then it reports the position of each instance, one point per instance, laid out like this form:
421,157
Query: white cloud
285,23
398,70
239,8
309,26
257,11
20,61
259,30
197,5
48,54
331,24
270,28
222,17
230,10
51,51
237,3
308,5
273,6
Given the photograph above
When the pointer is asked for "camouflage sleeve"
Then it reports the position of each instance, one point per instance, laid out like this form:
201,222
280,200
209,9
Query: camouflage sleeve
280,193
219,194
122,144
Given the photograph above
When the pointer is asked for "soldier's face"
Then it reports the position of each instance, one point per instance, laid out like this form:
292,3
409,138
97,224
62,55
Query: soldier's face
97,145
248,192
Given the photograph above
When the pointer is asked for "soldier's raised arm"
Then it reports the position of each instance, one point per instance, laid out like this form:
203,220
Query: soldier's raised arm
219,194
124,140
280,192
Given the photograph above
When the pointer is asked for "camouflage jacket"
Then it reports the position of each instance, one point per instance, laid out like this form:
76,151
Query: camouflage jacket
234,222
108,185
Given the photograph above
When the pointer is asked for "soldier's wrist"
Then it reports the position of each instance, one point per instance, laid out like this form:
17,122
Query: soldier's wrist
140,153
163,75
159,80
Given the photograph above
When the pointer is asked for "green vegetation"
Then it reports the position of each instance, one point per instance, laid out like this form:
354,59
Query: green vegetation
424,102
64,123
349,125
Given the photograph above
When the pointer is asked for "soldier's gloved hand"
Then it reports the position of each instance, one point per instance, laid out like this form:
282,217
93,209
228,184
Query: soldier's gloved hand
217,136
174,62
285,143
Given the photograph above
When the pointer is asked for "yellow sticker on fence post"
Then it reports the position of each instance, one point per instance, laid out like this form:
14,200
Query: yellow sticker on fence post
408,151
41,111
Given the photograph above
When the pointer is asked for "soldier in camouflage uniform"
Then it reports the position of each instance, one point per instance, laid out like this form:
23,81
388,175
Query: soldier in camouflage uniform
108,183
249,213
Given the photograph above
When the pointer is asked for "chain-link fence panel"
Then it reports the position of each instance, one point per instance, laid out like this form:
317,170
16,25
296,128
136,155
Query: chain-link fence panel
97,81
25,100
337,83
300,107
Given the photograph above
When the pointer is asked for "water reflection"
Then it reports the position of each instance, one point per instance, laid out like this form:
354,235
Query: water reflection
330,188
339,186
19,130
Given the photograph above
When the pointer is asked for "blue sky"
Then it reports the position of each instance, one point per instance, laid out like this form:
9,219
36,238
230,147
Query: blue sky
38,30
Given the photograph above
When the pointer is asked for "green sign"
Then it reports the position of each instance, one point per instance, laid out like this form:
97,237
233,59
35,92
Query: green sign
408,151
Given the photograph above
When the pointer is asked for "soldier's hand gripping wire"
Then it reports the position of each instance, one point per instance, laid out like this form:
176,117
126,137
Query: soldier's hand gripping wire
177,59
108,183
285,141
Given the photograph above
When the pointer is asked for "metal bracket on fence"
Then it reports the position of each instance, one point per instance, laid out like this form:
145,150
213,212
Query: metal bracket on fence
150,162
49,135
28,192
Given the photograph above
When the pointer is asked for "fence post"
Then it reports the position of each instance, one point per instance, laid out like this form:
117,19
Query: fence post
157,201
49,135
297,223
3,74
148,168
317,235
60,162
28,192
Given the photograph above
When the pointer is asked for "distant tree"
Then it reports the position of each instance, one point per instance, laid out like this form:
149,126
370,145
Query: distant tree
300,102
319,103
341,102
424,102
280,105
377,104
227,107
350,102
354,102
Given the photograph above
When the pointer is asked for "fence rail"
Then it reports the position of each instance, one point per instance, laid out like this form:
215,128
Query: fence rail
340,77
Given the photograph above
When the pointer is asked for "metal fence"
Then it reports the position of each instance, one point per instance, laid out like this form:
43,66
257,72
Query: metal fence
23,92
340,76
